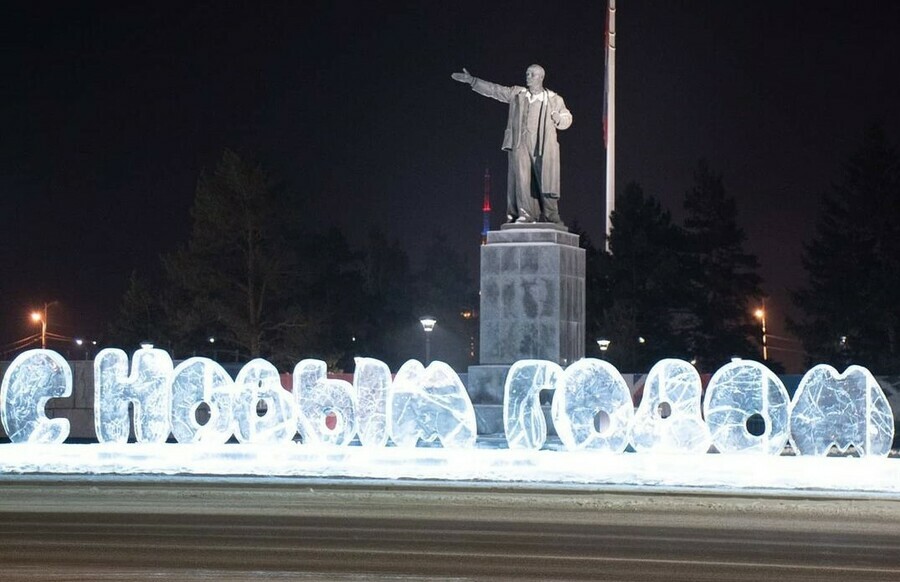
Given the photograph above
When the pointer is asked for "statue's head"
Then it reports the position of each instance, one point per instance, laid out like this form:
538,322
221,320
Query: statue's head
534,77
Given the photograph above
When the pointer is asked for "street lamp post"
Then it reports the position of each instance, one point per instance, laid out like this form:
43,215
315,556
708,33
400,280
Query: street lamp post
761,316
428,324
41,317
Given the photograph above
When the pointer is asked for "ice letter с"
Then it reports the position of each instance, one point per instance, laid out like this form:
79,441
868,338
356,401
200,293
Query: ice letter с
669,418
147,389
32,379
372,381
257,383
198,381
523,419
832,409
737,393
592,407
430,404
320,399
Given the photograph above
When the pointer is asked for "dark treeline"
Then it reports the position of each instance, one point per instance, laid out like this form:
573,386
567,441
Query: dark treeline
250,278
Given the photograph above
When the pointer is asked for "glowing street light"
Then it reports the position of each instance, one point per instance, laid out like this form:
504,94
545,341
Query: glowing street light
428,324
41,317
760,314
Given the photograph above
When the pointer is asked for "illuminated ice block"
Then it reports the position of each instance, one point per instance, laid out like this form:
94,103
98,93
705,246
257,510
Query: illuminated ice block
197,382
592,407
327,407
739,393
32,379
372,381
146,389
841,410
264,412
430,404
669,418
523,419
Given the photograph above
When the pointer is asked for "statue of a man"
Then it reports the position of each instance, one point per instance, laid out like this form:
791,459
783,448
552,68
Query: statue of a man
535,113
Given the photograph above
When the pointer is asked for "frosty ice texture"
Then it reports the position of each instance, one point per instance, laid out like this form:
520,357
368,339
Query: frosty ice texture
147,389
432,405
833,409
264,412
738,391
321,400
669,417
198,381
372,381
32,379
592,407
523,419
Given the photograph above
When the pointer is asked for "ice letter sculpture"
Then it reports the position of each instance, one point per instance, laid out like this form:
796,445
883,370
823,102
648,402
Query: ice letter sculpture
372,381
147,389
257,383
832,409
669,418
592,407
737,392
198,381
32,379
523,419
430,404
320,399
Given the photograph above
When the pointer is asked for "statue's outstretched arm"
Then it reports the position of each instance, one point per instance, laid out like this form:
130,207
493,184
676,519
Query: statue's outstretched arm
486,88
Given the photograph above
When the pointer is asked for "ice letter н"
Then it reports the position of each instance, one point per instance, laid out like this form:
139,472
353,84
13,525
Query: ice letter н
738,392
592,407
832,409
669,419
257,383
147,389
523,419
372,381
320,399
32,379
430,404
195,382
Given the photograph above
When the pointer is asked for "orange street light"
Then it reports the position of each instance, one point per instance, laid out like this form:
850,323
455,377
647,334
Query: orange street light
760,314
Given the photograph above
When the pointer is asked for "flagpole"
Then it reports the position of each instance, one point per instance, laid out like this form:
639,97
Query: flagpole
611,118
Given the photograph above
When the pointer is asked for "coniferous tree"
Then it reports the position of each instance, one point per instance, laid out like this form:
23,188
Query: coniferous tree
850,306
645,286
724,280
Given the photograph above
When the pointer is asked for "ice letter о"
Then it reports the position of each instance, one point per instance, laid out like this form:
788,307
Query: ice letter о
430,404
319,399
738,392
841,410
592,407
32,379
259,382
372,381
147,389
523,419
198,381
669,418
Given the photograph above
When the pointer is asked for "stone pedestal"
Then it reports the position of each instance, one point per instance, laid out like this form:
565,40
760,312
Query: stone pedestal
532,306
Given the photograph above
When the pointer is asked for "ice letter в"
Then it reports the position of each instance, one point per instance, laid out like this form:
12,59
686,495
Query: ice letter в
592,407
431,404
669,418
257,383
198,381
523,419
32,379
738,392
320,398
147,389
832,409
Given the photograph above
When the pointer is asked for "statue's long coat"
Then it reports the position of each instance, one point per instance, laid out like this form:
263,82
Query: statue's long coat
548,146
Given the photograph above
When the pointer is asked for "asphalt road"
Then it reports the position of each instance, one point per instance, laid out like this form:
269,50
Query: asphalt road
195,529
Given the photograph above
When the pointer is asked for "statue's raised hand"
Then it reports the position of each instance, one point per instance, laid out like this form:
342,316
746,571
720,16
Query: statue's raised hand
463,77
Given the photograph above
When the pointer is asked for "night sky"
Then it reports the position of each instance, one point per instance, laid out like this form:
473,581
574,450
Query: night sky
111,112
